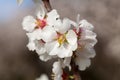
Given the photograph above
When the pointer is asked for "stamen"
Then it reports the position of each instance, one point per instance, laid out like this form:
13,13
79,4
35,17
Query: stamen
61,38
41,23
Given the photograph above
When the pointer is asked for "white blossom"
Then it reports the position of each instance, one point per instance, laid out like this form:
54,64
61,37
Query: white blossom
86,42
43,77
65,43
57,70
19,2
40,31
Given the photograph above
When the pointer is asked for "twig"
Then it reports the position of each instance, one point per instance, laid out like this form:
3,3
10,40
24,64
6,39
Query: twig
47,5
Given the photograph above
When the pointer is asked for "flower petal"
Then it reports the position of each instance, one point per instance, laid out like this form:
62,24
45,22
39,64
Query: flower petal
86,25
63,51
35,35
86,52
51,47
57,70
66,25
66,62
45,57
29,23
71,37
40,48
52,17
31,46
43,77
82,62
48,34
41,12
88,38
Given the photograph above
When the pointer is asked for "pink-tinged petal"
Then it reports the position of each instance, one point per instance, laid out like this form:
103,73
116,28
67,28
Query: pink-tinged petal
48,34
29,23
88,38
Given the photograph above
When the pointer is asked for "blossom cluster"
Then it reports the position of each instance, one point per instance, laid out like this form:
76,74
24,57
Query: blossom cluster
64,39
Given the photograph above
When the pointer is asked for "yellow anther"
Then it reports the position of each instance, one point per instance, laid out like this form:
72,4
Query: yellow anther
62,39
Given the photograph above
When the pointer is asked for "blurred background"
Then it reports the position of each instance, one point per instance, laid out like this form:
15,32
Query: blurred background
18,63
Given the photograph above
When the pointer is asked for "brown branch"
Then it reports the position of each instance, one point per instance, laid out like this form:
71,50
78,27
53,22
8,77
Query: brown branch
75,70
47,5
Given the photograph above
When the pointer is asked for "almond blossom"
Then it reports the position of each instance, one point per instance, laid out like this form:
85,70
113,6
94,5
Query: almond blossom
40,31
86,42
72,43
64,43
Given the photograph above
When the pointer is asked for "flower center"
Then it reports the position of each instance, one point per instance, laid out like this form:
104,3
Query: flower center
78,33
61,38
41,23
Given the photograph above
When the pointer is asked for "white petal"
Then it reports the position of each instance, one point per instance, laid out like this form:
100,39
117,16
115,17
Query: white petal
86,25
86,52
40,48
66,25
63,51
52,17
74,47
45,57
57,25
35,35
58,77
51,47
71,37
57,68
29,23
41,12
48,34
90,52
43,77
73,23
82,62
88,38
31,46
66,62
19,2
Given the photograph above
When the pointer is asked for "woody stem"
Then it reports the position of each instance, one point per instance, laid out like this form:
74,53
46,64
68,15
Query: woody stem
47,5
75,70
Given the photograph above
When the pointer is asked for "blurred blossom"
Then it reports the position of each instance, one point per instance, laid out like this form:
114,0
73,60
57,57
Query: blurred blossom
43,77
